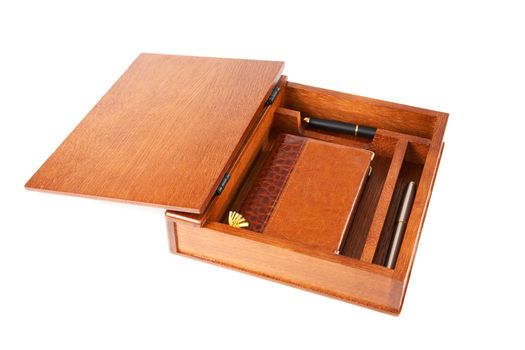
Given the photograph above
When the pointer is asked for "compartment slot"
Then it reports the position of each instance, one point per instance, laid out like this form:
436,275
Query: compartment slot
297,197
384,201
360,110
384,148
408,159
290,121
409,172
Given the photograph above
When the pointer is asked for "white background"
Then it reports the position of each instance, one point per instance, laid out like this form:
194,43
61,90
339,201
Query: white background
88,274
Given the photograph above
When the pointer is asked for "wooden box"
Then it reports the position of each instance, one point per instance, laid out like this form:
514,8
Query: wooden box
173,129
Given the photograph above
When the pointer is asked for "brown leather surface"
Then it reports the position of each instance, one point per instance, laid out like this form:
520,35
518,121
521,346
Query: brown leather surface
320,195
263,196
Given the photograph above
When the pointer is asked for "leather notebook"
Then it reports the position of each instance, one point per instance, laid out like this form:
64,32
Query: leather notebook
307,191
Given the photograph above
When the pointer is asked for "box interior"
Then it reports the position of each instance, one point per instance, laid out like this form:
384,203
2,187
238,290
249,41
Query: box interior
400,155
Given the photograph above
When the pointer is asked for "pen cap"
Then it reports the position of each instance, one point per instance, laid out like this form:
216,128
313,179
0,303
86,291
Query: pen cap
406,204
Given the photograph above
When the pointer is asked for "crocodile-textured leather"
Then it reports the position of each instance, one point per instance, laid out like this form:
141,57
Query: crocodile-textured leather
261,200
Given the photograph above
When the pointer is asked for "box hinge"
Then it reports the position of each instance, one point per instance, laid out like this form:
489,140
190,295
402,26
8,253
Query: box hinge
223,183
273,95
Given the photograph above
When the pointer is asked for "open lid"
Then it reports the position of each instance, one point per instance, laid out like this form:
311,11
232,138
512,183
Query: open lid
164,134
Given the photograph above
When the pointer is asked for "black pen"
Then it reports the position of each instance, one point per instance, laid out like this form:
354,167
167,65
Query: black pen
342,127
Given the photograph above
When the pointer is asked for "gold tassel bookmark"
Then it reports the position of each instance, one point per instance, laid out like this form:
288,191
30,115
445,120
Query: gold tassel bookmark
237,220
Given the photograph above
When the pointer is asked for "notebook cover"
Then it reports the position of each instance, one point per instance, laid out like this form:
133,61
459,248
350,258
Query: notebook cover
307,191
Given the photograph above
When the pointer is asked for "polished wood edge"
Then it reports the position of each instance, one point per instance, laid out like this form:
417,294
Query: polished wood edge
192,219
172,236
111,199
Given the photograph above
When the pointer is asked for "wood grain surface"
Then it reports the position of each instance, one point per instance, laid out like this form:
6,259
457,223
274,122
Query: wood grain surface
268,257
164,134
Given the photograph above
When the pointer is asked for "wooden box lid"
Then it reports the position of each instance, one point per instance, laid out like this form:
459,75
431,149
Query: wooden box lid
164,134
